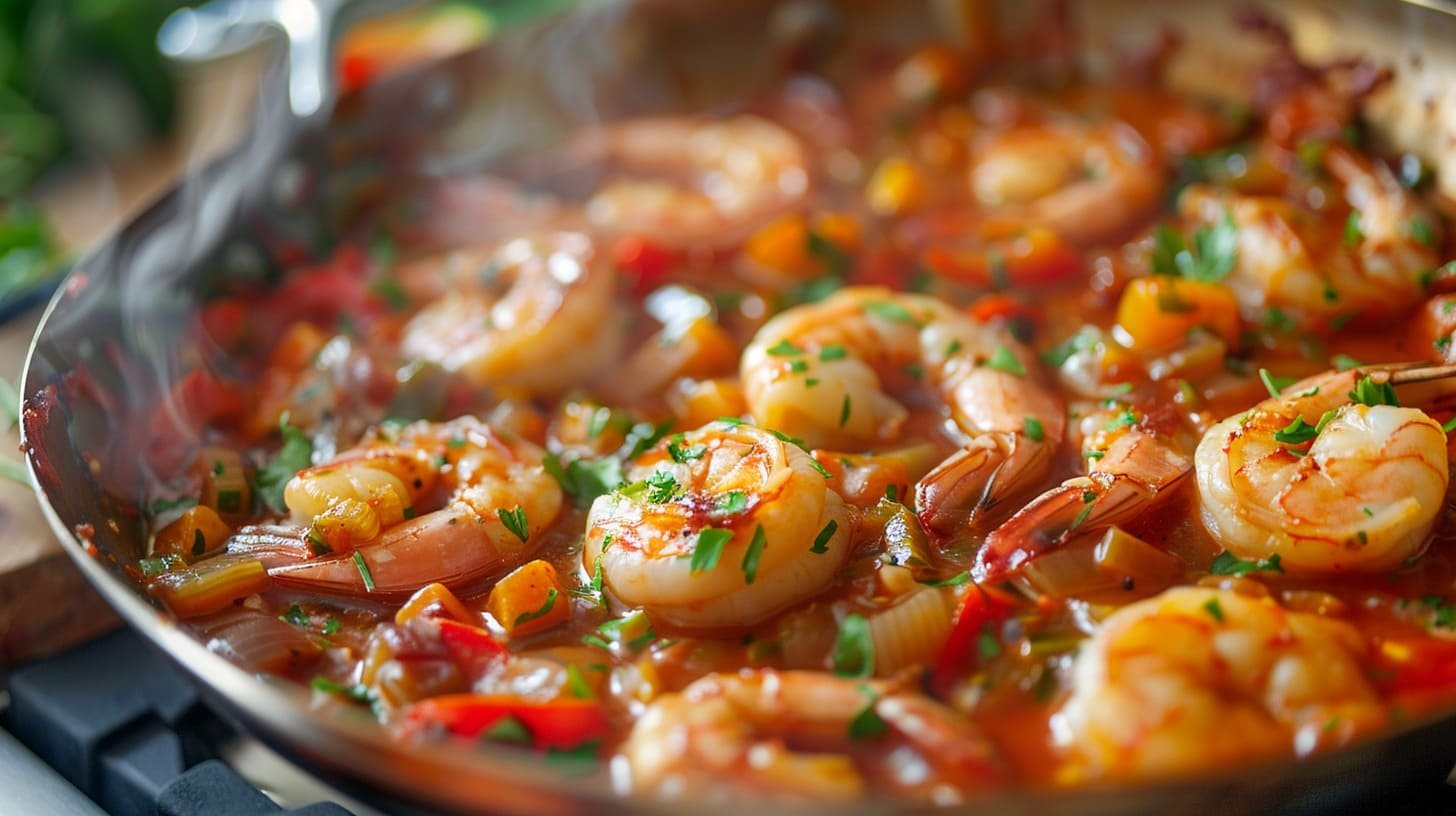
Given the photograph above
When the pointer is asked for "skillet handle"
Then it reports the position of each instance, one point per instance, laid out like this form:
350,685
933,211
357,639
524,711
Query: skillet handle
309,27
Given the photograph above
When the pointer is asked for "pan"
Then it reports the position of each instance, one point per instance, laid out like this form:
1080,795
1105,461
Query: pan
314,171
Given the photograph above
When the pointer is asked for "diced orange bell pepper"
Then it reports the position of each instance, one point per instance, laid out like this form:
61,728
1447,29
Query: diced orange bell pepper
435,596
198,531
530,600
1157,312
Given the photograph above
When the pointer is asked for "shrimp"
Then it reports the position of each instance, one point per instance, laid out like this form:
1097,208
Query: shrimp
1321,273
372,513
535,314
1090,184
725,527
727,735
1325,481
1134,458
1198,679
816,372
691,181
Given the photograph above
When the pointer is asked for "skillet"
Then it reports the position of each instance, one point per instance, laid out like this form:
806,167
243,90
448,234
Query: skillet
311,174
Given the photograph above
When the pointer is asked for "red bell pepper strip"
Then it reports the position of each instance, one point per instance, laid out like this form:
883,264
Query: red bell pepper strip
980,608
560,724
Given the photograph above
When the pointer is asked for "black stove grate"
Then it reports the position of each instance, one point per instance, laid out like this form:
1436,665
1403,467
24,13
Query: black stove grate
131,732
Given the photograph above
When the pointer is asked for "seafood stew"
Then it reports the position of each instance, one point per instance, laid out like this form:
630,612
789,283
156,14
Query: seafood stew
919,436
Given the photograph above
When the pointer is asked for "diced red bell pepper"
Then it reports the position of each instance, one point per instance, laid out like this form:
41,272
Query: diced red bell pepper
644,264
561,724
467,642
979,607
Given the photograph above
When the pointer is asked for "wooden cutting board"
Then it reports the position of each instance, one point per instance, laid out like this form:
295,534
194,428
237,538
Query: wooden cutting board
45,604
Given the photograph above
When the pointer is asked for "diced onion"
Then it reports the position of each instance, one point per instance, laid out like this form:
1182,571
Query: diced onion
912,631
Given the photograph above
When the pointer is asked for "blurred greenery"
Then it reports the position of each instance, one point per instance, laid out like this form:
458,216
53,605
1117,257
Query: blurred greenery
81,75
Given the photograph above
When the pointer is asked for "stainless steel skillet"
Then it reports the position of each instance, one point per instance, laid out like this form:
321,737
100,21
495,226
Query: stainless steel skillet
300,184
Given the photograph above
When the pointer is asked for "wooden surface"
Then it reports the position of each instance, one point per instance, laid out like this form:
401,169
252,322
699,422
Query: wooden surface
45,605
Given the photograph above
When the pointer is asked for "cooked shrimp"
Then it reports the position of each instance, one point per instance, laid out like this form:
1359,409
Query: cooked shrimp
1325,482
1199,679
733,527
1089,183
1322,273
727,736
493,495
819,371
535,314
687,181
1133,458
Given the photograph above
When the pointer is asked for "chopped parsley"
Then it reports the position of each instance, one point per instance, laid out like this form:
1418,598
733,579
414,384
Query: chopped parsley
753,554
1002,359
1368,392
821,541
152,567
1058,355
833,352
1214,609
889,310
1208,260
295,616
1419,230
709,548
358,692
1034,431
1344,362
585,479
731,503
391,293
643,436
854,649
784,348
988,646
1445,614
867,724
1229,564
1297,432
515,521
662,487
332,625
295,455
958,579
844,409
364,572
1353,233
835,260
576,683
540,612
508,731
1274,385
681,454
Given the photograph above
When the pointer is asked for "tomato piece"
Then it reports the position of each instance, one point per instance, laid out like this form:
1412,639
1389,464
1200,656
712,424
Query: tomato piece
980,608
644,264
560,724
